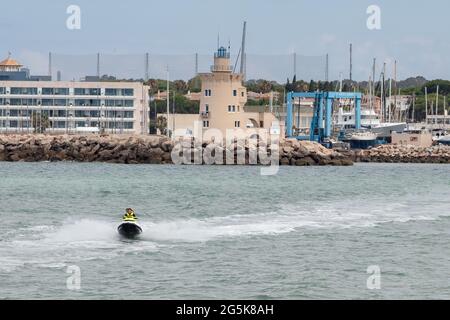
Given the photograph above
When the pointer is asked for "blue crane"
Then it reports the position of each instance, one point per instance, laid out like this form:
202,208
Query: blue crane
321,123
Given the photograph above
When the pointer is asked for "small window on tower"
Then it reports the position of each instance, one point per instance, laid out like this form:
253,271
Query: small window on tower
234,93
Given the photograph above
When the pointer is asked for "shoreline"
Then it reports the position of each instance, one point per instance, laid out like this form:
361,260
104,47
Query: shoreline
155,149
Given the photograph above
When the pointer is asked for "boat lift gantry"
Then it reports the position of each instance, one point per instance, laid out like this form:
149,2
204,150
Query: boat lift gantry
321,123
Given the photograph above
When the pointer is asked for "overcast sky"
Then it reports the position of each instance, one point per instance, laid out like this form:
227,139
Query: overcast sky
413,32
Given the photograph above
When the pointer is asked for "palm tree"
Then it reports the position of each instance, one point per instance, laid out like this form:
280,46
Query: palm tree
161,124
40,122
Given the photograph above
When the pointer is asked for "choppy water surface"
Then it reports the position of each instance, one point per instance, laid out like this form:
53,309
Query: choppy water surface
225,232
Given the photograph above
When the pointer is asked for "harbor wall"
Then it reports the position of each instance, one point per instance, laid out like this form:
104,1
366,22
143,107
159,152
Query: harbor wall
391,153
161,150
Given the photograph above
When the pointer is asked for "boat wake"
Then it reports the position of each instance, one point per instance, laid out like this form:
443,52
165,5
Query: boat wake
87,239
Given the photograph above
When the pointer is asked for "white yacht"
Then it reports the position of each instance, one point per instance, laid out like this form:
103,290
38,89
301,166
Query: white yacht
369,120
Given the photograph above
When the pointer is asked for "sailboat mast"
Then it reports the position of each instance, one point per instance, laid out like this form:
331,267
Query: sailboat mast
395,86
390,99
426,105
437,105
383,100
168,102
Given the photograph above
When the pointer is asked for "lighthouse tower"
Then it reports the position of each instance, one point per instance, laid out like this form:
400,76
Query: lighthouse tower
223,95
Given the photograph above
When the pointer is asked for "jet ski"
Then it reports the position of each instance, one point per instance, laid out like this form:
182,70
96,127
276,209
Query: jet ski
129,229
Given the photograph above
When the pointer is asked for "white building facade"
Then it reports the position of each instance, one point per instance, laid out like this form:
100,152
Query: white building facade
71,107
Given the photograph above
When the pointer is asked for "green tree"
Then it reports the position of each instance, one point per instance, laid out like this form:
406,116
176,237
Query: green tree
161,124
40,122
195,84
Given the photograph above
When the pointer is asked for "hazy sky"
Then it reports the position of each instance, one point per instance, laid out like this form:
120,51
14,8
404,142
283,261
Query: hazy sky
413,32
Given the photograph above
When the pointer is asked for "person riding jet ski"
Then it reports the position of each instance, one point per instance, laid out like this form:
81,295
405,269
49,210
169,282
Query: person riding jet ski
129,215
129,228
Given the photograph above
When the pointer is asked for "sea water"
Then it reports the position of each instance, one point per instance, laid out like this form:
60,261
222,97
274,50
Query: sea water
223,232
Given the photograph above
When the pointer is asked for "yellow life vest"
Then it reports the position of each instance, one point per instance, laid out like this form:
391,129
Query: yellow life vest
129,217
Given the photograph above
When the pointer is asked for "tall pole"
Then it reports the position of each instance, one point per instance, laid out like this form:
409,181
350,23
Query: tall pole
351,62
295,64
413,107
196,63
437,105
395,86
373,85
147,75
50,65
168,102
383,106
173,113
243,56
98,65
370,94
445,112
426,105
326,68
390,99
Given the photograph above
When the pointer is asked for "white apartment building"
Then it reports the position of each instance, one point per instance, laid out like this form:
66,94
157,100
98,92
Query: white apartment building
27,104
71,107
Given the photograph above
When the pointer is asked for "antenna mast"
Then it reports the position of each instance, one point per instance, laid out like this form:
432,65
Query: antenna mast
351,62
243,57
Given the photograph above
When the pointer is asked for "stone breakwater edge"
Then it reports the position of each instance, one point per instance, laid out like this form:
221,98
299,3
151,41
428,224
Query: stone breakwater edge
162,150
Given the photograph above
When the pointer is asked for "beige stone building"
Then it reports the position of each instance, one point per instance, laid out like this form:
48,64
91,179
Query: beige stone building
416,138
222,102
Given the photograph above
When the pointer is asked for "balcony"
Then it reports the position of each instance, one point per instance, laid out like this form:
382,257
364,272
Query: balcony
204,114
221,68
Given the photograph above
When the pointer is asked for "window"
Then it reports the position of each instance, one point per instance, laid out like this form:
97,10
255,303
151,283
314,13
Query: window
127,92
208,93
206,124
229,108
2,90
110,92
242,93
59,113
234,108
23,90
87,102
54,102
237,124
87,91
23,102
55,91
234,93
207,108
261,124
128,125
